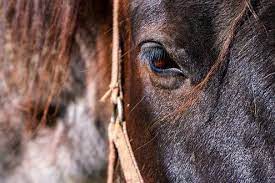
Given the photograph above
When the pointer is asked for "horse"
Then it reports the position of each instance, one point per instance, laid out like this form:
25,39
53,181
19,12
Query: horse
199,89
54,69
198,85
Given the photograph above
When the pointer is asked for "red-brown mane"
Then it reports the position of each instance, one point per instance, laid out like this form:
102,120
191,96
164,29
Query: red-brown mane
37,37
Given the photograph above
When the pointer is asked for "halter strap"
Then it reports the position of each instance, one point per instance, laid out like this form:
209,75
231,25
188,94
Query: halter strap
119,143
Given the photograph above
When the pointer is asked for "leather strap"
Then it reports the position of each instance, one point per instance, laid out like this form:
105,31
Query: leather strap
118,138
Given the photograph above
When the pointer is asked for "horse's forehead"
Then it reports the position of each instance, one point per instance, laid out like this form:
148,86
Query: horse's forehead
152,10
161,19
154,17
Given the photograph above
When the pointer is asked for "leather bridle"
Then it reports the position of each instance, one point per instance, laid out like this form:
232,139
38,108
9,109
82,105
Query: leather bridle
119,144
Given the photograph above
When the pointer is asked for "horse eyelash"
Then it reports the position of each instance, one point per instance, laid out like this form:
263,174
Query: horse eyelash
150,54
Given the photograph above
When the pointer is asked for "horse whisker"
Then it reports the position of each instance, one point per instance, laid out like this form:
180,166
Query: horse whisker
136,105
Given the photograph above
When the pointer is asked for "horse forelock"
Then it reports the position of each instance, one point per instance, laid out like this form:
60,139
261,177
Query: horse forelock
47,64
37,37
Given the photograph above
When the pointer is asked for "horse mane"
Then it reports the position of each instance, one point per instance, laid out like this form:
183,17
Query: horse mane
37,38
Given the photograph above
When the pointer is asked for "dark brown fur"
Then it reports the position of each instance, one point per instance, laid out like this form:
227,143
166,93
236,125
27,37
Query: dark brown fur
182,135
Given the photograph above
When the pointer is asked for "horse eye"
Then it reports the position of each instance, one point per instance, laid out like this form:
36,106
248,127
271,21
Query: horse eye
158,60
